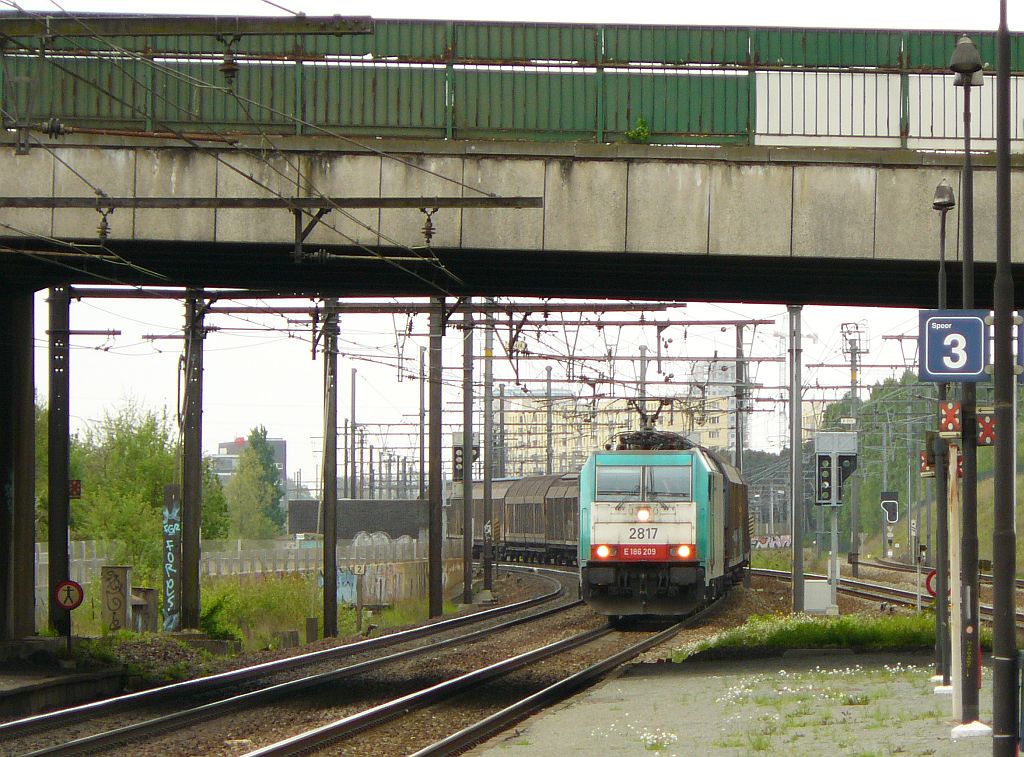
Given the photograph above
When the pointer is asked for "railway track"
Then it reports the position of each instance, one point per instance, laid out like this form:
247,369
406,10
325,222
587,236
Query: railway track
883,564
590,655
504,710
221,692
878,592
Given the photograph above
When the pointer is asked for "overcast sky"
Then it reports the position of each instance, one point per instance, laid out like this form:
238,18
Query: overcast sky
260,372
902,14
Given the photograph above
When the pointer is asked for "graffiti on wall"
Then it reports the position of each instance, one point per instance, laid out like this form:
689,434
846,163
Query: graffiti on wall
171,607
776,541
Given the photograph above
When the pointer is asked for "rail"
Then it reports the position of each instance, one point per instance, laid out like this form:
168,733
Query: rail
181,690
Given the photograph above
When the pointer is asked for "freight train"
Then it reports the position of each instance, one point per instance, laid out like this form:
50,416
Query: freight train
657,525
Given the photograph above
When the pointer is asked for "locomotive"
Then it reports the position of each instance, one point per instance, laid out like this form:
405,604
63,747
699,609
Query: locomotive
657,524
663,526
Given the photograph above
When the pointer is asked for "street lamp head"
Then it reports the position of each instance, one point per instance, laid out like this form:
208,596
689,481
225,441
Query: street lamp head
966,60
943,199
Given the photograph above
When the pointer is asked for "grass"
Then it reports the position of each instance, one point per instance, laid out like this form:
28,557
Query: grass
862,632
253,612
759,742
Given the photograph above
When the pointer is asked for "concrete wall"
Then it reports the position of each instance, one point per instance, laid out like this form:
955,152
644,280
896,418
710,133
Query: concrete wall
801,203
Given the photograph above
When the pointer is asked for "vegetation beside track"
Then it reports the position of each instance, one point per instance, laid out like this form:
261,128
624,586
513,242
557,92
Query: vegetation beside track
861,632
253,612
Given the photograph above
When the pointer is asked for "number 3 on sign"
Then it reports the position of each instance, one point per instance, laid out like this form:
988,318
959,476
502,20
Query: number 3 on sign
957,345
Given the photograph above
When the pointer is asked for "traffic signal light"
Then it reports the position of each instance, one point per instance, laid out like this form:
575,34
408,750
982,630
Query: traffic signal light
458,463
891,507
824,479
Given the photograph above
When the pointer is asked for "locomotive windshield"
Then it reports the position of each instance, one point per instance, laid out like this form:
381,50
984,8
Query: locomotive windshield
618,483
622,483
668,482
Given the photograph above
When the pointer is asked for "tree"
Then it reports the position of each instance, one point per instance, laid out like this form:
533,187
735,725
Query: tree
124,464
216,520
270,474
250,498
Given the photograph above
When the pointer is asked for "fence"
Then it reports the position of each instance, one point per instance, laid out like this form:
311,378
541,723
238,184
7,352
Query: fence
433,79
377,551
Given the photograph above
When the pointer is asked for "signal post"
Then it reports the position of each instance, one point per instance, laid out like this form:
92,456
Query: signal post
835,454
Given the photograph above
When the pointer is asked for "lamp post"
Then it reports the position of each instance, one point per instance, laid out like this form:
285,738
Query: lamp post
942,202
966,63
1004,538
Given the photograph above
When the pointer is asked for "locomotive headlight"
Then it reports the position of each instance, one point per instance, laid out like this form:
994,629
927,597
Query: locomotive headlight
603,550
643,514
685,551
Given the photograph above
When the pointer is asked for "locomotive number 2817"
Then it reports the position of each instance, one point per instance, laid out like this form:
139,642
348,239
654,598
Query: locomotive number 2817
642,532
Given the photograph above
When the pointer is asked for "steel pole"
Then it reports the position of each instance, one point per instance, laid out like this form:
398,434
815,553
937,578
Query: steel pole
488,452
467,455
502,459
58,461
550,451
740,396
1004,538
330,472
796,480
423,420
353,490
192,462
855,479
435,485
970,659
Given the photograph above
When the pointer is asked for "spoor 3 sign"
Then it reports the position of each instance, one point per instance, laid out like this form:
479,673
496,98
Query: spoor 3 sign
953,345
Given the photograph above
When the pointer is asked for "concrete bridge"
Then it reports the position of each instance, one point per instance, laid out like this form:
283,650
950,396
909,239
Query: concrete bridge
782,224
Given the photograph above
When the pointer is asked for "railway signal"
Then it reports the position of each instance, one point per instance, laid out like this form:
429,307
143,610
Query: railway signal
890,504
824,479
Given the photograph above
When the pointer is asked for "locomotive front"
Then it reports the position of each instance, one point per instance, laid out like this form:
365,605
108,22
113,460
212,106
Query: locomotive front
653,530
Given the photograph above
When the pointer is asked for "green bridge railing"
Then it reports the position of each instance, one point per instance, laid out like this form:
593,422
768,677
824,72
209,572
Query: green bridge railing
460,80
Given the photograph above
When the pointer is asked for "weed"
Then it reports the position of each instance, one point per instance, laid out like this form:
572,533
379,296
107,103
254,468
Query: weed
639,133
855,699
759,742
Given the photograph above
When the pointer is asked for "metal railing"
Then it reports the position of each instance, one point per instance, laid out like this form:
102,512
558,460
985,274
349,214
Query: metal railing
462,80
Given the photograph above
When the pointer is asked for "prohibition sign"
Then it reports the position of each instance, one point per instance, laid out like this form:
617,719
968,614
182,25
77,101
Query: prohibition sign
68,594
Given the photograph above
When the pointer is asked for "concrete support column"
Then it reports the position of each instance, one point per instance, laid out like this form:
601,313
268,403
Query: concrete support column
23,562
17,467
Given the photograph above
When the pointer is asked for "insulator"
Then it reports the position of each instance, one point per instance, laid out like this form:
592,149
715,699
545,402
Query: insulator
229,68
53,128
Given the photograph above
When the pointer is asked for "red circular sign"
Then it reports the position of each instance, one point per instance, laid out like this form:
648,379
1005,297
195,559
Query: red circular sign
929,583
68,594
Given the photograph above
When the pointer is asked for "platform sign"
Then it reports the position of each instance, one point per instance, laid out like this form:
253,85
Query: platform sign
953,345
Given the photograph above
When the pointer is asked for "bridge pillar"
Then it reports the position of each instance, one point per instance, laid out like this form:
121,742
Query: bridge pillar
17,467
